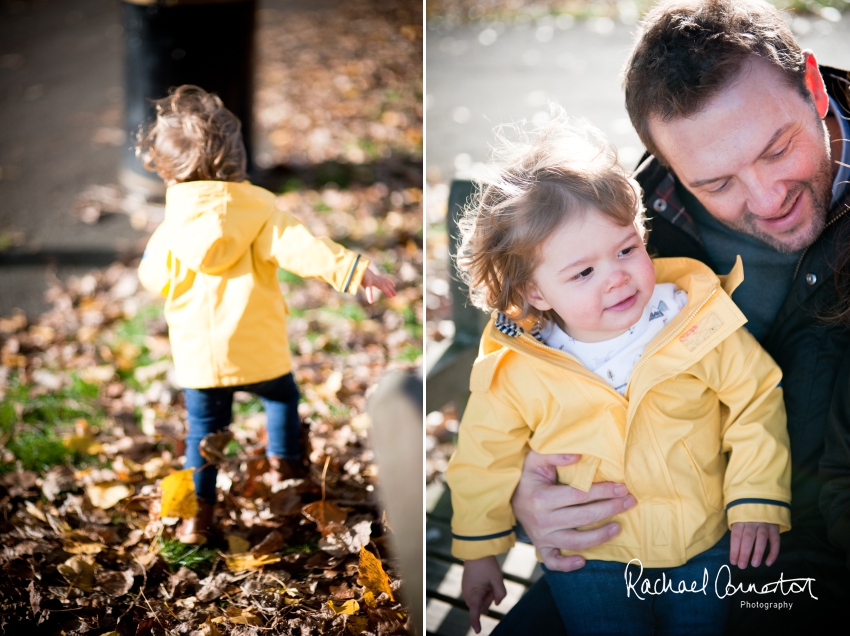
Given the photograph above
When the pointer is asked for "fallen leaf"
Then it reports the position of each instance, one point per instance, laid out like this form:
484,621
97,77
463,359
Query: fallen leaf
324,513
349,607
237,544
114,583
372,575
272,542
213,445
79,572
58,479
107,494
74,547
357,625
331,386
209,628
339,540
247,561
178,495
239,616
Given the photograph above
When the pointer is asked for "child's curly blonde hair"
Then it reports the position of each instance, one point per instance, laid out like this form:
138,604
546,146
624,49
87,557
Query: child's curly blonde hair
566,169
194,138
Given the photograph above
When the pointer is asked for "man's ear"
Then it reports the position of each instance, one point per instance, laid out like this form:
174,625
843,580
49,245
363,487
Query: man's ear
815,85
535,298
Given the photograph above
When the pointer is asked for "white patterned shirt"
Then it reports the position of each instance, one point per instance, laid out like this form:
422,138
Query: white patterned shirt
614,359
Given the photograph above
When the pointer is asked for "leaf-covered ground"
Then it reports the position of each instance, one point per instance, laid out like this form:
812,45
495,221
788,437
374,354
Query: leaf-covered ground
91,421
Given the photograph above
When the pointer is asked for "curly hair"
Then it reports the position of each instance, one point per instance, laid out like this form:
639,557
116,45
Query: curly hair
537,183
687,51
194,138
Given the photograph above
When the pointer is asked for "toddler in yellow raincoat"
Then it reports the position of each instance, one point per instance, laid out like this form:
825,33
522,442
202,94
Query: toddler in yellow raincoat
642,367
215,259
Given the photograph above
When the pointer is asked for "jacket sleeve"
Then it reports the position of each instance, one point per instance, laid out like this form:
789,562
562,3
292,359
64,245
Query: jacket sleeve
285,240
483,474
835,465
757,482
154,271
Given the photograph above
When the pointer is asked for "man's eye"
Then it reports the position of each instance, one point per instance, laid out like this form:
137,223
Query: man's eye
776,155
722,187
583,274
627,251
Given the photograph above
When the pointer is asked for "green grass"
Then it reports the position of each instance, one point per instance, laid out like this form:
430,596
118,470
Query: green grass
292,185
350,311
35,438
194,557
409,353
285,276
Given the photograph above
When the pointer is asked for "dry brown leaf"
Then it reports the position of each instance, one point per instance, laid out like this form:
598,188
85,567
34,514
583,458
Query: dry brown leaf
114,583
213,445
209,628
247,561
349,607
357,625
239,616
178,495
272,542
106,495
79,572
372,575
324,513
340,540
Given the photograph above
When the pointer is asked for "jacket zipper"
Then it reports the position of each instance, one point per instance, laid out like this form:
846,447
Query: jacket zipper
673,337
803,255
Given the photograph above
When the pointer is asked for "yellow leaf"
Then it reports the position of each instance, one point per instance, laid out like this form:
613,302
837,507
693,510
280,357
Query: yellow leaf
178,495
74,547
247,561
209,628
237,545
372,575
108,494
241,616
369,599
291,601
349,607
79,572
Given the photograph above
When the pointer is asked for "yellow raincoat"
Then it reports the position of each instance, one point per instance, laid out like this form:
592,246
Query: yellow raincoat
699,437
215,259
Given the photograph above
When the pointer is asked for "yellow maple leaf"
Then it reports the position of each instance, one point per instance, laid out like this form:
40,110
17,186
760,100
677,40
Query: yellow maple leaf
349,607
247,561
178,495
372,575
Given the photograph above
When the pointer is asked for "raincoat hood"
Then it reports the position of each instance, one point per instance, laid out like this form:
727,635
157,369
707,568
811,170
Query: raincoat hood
215,222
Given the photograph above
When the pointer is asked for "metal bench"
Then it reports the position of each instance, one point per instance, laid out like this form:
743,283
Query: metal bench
446,613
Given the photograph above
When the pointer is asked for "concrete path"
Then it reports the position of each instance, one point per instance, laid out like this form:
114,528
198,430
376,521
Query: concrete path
478,76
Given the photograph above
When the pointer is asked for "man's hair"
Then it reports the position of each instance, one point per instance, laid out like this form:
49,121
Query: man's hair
194,138
687,51
536,184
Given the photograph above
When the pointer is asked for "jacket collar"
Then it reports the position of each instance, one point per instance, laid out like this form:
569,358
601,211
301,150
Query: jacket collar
708,295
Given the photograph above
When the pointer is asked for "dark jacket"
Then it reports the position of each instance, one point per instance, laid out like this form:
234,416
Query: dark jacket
809,350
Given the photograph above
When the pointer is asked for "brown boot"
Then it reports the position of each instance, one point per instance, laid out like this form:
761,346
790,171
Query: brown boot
197,530
281,469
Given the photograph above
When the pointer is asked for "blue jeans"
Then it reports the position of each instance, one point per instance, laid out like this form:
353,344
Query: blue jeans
593,600
211,410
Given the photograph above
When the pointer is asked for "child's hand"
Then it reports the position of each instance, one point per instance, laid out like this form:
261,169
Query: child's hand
371,280
743,536
482,584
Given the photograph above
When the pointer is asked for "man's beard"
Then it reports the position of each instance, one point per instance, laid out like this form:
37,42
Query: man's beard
820,193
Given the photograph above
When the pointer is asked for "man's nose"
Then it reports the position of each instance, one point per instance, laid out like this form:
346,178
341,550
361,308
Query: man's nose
767,195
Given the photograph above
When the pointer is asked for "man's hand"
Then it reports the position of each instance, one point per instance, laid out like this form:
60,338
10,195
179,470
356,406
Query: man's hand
372,281
743,537
481,585
549,512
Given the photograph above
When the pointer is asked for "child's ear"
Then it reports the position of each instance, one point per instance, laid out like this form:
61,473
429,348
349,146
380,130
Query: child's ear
536,299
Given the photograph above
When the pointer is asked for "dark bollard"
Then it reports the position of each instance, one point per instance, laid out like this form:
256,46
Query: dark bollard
208,43
396,435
